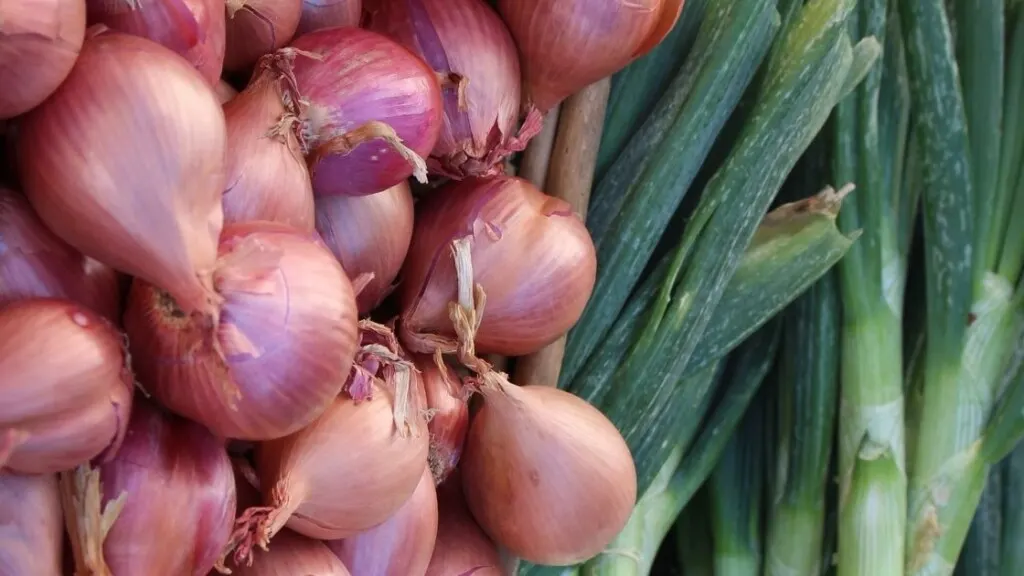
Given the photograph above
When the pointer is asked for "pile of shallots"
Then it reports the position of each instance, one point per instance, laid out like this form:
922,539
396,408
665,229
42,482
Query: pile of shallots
232,337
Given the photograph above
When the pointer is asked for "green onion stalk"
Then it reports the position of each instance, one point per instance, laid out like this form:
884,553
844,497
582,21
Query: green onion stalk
869,141
1011,562
965,402
807,400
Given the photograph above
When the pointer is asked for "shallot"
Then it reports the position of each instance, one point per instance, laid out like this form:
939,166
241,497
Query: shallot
370,236
448,406
348,471
31,526
294,555
163,506
267,177
39,42
142,193
371,109
402,545
566,45
461,547
192,28
281,351
318,14
472,52
35,263
528,253
258,27
546,474
65,384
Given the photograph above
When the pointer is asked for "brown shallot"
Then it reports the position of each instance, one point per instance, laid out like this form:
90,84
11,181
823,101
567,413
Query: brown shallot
499,240
348,471
546,474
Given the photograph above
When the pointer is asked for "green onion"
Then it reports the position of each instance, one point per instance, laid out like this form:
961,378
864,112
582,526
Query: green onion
807,400
869,137
803,81
693,539
966,412
736,491
981,555
1012,546
637,88
632,204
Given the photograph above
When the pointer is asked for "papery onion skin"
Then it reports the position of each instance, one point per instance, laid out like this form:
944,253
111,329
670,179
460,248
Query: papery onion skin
368,235
287,333
461,547
531,254
39,42
347,472
142,194
192,28
447,401
293,555
34,263
320,14
180,497
258,27
267,177
467,44
565,45
546,474
402,545
66,388
389,86
31,526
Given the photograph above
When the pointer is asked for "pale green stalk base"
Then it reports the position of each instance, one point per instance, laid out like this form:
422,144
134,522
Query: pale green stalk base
795,543
873,481
737,565
949,470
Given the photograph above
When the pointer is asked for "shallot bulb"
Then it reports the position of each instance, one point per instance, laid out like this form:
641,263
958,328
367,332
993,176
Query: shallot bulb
319,14
369,235
374,109
461,547
142,193
471,50
39,42
546,474
294,555
402,545
225,92
31,526
281,351
267,177
348,471
35,263
566,45
192,28
66,388
529,252
173,483
448,407
258,27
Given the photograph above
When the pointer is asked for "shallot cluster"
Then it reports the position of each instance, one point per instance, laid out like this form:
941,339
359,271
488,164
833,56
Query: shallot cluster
251,255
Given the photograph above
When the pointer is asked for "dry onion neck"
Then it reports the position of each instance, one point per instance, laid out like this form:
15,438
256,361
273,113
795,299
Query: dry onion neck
86,519
380,353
